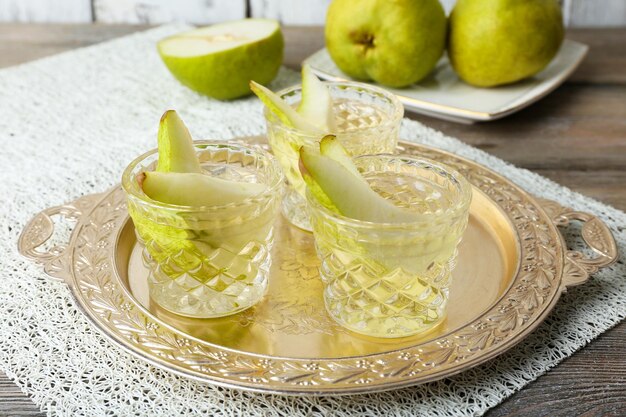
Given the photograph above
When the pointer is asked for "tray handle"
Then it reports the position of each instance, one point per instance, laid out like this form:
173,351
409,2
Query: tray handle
594,233
40,229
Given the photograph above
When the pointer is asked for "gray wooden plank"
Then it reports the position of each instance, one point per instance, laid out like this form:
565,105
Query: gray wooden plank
67,11
448,5
302,12
598,13
161,11
576,13
291,12
13,402
590,383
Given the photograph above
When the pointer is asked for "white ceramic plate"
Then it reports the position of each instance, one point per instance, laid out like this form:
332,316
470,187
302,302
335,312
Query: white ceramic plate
445,96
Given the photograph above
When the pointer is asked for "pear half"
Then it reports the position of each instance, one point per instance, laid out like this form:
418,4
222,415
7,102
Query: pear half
220,60
336,183
176,151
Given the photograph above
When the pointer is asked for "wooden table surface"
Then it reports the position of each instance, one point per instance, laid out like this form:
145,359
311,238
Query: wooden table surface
576,136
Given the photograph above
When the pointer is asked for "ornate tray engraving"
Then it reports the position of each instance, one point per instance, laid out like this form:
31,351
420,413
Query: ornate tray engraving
89,264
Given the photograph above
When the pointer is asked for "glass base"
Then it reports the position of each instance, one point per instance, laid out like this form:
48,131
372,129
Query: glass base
205,304
369,301
390,327
220,295
294,208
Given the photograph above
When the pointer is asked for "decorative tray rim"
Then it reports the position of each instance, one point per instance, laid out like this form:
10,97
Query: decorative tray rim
545,270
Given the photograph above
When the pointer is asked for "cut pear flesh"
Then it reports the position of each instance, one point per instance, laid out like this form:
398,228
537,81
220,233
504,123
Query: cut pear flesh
330,147
287,114
331,182
316,104
218,37
220,60
192,189
176,151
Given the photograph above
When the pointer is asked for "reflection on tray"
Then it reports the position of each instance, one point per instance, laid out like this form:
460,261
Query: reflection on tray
291,321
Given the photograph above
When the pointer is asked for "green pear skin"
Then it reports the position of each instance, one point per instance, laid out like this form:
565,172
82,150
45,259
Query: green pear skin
330,147
496,42
395,43
336,186
285,113
225,74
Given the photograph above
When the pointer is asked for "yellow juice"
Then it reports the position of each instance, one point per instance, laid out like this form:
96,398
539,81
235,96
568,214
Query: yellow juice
210,261
392,281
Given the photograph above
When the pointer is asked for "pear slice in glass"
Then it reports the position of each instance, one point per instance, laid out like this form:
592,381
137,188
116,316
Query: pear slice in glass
343,190
332,148
285,113
197,190
201,190
316,104
176,151
333,182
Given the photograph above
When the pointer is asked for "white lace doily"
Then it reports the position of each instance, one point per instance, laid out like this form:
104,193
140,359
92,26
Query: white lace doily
69,124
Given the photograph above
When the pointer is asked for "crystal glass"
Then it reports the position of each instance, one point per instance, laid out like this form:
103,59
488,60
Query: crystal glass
390,279
208,261
367,121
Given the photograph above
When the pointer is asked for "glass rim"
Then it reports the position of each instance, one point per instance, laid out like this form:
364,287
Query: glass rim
462,203
272,189
396,116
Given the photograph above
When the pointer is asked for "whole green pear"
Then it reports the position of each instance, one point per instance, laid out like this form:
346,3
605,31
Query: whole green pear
395,43
495,42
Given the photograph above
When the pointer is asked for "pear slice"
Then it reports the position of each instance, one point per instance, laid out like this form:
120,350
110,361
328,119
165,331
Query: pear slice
316,104
176,151
330,147
192,189
287,114
340,189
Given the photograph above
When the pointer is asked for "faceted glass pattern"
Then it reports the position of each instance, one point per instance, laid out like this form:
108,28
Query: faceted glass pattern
367,121
209,261
392,280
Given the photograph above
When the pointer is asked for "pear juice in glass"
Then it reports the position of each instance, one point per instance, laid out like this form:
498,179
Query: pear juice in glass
208,261
392,279
367,121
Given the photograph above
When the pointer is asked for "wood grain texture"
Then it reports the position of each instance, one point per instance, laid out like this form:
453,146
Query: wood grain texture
576,13
581,130
25,42
303,12
606,61
590,383
291,12
67,11
160,11
13,402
